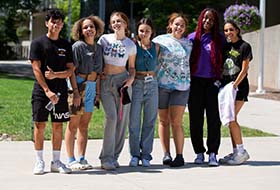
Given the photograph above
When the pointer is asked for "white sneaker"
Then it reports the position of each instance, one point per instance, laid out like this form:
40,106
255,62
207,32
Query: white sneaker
86,165
226,158
58,166
146,163
212,160
76,166
134,162
239,158
108,166
39,167
199,158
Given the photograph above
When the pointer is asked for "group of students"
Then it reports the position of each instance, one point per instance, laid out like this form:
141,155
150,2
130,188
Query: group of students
137,81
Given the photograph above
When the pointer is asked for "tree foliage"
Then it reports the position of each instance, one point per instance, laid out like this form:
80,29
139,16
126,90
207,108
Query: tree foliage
13,14
75,12
159,10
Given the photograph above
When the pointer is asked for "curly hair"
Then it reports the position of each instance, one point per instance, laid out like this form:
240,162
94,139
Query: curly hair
216,44
77,31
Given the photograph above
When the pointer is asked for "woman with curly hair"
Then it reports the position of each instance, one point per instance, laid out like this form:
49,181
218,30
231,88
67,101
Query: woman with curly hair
206,67
88,60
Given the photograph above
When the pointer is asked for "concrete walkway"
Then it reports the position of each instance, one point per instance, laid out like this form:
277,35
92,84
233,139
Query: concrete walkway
261,114
262,171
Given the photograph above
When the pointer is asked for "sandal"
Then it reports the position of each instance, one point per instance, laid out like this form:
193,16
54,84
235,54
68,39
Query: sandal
76,166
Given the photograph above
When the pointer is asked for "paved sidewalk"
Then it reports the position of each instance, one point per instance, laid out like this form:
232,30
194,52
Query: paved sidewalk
262,114
262,171
17,68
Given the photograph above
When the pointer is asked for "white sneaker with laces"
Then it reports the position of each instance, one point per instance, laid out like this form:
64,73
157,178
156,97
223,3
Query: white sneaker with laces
86,165
226,158
199,158
58,166
239,158
146,163
212,160
39,167
134,162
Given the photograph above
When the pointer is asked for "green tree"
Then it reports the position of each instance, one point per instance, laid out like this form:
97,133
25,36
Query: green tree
159,10
13,14
75,7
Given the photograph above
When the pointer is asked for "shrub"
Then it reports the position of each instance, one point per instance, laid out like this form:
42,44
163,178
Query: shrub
247,17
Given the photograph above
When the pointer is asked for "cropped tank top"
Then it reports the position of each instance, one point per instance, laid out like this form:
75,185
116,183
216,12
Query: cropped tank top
146,60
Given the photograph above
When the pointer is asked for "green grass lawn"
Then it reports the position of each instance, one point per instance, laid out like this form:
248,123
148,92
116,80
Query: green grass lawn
15,113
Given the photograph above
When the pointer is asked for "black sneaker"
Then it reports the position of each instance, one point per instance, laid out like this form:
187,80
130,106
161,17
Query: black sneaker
178,162
167,159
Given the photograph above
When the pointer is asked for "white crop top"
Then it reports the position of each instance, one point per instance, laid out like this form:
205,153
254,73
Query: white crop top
116,52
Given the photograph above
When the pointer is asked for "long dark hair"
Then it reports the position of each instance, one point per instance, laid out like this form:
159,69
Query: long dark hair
235,26
148,22
216,44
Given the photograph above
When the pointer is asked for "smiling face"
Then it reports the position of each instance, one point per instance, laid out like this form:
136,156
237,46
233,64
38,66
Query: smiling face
88,29
231,33
117,23
144,32
54,26
178,27
208,21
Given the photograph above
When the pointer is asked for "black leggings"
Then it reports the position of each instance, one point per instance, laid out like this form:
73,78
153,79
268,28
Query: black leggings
204,96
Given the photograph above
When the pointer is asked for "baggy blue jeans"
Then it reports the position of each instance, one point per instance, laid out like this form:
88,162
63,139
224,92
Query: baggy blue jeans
144,97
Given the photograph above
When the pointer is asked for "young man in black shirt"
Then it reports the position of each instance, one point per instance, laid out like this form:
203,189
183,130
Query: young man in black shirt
51,59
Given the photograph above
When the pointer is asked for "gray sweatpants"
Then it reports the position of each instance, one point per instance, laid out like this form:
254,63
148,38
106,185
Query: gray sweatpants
114,129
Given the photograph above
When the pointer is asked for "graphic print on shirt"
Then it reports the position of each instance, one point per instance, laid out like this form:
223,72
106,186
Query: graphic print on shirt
171,67
230,68
116,49
61,52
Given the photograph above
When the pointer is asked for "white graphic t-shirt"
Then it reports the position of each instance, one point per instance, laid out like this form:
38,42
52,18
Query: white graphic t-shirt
116,52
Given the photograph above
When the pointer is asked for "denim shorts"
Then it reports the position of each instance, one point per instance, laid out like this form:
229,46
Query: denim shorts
172,98
89,95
